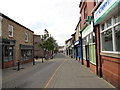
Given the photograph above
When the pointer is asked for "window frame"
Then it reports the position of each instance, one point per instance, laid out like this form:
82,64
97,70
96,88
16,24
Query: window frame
113,25
10,29
26,37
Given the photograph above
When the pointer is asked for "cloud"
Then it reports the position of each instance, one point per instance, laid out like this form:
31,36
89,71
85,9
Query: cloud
59,17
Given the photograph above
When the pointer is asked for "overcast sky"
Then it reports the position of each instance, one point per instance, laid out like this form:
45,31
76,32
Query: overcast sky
59,17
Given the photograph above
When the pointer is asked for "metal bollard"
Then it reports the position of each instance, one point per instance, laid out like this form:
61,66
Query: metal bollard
18,65
42,60
33,61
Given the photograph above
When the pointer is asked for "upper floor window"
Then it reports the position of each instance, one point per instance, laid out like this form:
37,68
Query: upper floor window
85,12
10,30
26,37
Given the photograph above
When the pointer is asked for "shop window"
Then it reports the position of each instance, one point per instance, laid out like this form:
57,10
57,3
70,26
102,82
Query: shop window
84,41
110,37
26,54
10,30
103,26
117,18
93,37
26,37
109,23
117,37
8,53
107,41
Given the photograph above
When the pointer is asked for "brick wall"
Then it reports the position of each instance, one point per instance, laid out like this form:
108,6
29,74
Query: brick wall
93,68
111,70
108,66
90,6
18,35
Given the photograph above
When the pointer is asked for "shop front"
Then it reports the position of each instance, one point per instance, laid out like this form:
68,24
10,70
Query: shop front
78,50
89,50
26,53
8,53
107,25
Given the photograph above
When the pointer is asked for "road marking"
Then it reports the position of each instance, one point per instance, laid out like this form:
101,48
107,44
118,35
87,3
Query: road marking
53,75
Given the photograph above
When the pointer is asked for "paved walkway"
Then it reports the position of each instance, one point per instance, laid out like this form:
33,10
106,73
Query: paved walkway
12,70
71,74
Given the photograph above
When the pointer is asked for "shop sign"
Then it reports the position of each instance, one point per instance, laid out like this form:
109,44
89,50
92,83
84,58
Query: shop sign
87,30
104,8
77,42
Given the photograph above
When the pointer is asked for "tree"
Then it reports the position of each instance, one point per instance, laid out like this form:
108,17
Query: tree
48,42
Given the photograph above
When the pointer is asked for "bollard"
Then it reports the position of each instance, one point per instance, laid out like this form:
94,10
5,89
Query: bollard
33,61
42,60
18,65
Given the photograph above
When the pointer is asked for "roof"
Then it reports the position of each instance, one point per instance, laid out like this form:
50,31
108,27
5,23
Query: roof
68,40
73,34
15,22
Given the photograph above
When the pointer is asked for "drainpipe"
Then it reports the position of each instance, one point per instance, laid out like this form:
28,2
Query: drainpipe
94,30
1,56
33,51
81,50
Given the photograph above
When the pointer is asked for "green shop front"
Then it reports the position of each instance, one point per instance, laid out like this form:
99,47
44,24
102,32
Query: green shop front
89,50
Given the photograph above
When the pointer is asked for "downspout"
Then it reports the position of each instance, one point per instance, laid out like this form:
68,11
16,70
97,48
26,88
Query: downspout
1,51
94,30
81,49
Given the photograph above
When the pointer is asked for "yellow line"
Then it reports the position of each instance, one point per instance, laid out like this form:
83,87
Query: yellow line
53,76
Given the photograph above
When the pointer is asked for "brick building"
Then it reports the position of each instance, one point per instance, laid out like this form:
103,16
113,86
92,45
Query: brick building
87,34
107,27
38,51
17,42
77,42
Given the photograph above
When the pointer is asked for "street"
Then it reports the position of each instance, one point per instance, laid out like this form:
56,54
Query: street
59,72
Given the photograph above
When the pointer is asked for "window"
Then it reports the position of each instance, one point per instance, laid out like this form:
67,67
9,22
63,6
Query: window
107,40
110,34
85,12
109,22
117,18
10,30
103,26
26,54
26,37
8,53
117,37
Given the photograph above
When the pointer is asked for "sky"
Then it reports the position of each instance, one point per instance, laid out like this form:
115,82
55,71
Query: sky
59,17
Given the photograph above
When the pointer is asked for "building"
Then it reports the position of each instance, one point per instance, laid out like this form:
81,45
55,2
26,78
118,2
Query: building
17,42
73,53
68,47
77,43
38,51
107,28
87,34
61,49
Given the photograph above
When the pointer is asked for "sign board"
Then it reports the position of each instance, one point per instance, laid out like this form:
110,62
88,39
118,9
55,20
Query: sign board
104,8
77,42
87,30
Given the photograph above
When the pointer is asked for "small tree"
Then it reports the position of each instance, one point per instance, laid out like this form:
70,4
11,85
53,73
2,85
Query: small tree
48,42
